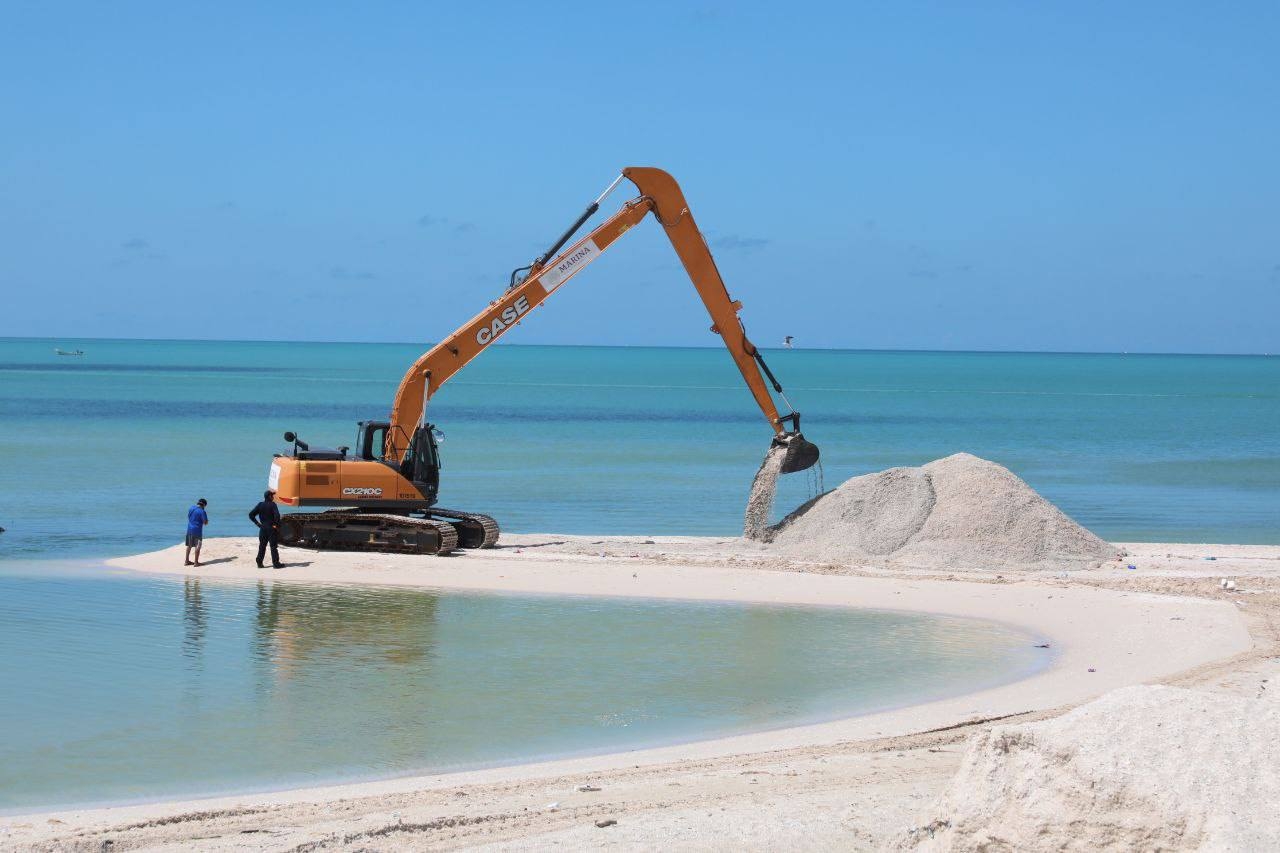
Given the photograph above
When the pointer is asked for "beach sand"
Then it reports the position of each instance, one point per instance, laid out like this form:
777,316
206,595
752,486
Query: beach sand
856,783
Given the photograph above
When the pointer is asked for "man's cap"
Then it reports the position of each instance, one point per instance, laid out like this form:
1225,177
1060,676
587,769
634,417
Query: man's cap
202,502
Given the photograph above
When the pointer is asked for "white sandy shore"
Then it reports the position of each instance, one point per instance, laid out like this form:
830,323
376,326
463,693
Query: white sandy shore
848,783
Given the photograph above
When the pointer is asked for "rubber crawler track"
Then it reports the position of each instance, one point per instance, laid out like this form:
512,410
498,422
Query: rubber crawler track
474,531
366,531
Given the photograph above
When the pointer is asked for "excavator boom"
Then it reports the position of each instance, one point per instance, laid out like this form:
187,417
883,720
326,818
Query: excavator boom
661,196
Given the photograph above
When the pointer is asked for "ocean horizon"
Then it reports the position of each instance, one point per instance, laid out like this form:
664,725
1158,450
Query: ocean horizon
425,345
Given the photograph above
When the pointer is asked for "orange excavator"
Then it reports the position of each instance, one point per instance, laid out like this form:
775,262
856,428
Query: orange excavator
385,489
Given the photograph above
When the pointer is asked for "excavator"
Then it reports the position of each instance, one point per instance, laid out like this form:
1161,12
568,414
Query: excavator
383,492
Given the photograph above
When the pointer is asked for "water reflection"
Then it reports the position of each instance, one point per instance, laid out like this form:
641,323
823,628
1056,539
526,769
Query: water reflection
195,622
296,626
195,626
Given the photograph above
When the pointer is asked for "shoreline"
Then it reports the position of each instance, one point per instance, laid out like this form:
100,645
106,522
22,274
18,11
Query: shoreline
1125,636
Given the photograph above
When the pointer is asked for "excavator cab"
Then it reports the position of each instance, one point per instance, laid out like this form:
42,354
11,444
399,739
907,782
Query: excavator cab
420,466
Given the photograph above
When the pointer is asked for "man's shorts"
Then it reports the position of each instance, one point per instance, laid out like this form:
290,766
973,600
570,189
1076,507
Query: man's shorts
193,540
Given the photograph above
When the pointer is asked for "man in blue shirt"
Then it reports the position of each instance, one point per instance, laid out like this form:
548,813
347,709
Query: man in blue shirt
197,518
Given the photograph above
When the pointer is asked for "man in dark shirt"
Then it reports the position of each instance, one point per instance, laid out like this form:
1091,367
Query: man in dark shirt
266,515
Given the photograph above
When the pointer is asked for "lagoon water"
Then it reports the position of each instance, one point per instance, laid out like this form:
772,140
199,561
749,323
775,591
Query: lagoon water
121,687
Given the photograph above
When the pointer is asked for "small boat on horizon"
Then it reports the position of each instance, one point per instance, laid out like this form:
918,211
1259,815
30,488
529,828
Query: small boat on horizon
68,352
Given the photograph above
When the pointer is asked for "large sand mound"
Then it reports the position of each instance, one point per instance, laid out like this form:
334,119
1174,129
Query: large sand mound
956,513
1142,768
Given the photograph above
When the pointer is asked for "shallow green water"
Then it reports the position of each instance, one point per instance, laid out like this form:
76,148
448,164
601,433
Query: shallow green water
119,687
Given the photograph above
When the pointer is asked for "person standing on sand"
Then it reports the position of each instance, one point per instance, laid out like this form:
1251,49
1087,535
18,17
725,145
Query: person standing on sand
266,515
197,518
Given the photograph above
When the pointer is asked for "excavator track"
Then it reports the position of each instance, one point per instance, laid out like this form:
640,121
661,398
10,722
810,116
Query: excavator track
366,531
474,530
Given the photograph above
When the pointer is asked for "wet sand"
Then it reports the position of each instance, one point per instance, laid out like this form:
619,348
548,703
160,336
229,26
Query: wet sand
850,783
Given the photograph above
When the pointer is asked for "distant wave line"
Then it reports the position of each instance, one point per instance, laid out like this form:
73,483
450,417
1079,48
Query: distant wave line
247,372
80,367
858,389
197,409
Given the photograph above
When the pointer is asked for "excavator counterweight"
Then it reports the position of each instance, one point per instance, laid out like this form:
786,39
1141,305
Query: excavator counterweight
387,489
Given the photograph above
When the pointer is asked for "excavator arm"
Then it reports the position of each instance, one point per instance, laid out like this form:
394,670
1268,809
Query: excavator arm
661,196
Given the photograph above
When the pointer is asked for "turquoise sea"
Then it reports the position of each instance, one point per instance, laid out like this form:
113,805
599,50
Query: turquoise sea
104,453
123,687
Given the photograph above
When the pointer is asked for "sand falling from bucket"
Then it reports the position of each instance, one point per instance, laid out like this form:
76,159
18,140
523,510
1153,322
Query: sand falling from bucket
760,501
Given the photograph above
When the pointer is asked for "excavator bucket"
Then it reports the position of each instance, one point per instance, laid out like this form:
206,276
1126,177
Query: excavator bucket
801,454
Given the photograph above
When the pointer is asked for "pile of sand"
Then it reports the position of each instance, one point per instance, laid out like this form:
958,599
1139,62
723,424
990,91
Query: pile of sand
1142,768
956,513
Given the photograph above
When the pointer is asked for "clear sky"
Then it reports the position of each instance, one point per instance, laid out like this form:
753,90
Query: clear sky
1036,176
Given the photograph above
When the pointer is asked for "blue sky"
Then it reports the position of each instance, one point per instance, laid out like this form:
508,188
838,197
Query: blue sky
1072,176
